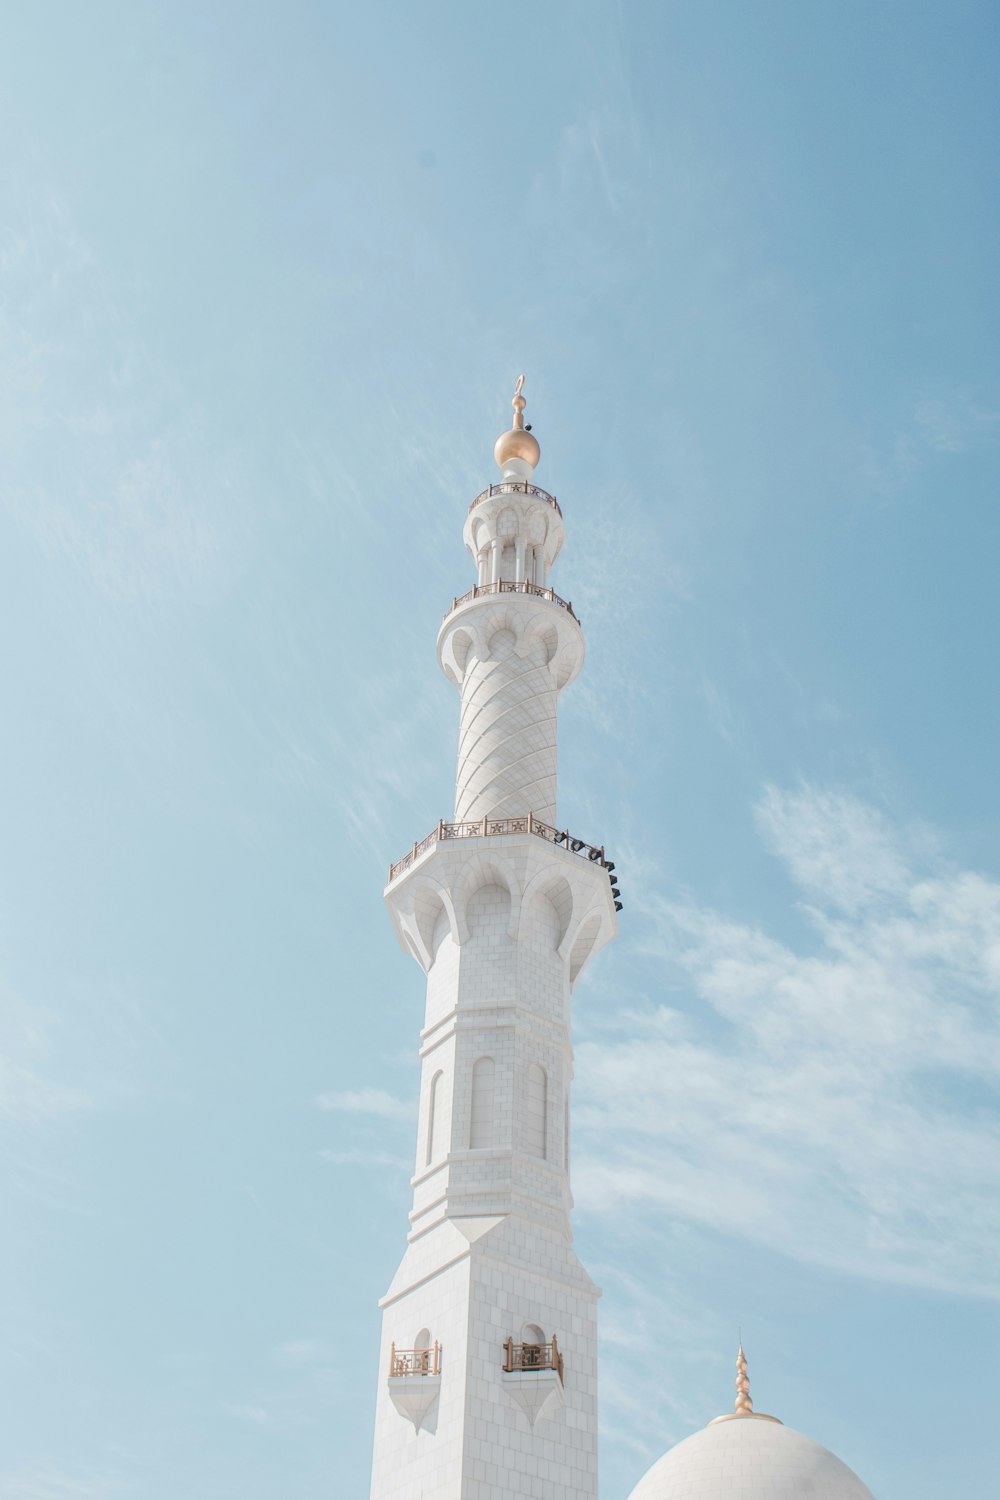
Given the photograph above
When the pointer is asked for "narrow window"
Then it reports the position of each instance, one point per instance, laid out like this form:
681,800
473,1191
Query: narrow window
434,1116
535,1111
481,1129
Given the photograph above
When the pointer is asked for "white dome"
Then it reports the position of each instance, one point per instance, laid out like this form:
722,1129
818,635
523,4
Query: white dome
749,1458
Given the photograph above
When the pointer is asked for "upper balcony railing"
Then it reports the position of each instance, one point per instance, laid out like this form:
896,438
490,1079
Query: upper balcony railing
509,586
516,487
487,828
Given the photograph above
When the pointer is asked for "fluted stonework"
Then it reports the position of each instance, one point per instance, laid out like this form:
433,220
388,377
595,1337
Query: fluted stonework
501,910
510,655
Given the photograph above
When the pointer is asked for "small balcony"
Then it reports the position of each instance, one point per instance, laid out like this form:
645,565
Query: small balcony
415,1383
532,1357
532,1376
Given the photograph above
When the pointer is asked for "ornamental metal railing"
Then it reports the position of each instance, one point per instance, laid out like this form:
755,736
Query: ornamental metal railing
415,1361
487,828
508,586
532,1357
516,487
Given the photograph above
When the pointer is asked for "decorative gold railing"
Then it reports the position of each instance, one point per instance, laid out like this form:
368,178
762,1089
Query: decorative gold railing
487,828
415,1361
533,1357
508,586
516,487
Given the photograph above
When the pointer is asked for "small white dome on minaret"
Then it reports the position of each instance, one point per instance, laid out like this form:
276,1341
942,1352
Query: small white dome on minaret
517,451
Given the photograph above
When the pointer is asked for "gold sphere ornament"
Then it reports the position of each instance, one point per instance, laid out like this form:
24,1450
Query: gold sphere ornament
517,443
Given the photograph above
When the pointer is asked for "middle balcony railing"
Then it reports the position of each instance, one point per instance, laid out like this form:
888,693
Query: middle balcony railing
511,586
486,828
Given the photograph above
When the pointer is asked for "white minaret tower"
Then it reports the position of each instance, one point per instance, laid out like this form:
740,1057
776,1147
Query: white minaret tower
487,1386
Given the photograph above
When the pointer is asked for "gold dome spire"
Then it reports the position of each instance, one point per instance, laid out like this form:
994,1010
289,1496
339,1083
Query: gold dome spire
744,1406
517,443
743,1402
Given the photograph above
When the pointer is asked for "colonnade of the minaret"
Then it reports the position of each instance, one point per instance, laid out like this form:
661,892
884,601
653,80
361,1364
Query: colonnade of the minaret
488,1366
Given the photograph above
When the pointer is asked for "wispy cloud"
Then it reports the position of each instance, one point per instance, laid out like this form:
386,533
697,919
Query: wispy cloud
362,1157
949,425
251,1412
837,1101
104,463
299,1383
42,1481
302,1351
28,1091
953,426
367,1102
638,1322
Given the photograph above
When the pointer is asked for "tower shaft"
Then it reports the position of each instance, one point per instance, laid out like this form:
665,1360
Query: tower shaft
487,1379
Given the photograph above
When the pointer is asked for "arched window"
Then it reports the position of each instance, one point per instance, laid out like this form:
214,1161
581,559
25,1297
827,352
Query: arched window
434,1121
483,1091
536,1111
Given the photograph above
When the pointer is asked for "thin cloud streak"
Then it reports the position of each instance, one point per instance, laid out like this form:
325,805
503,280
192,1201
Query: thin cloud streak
367,1102
28,1094
43,1481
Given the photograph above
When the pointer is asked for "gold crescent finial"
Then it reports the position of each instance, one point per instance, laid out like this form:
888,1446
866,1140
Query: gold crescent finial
518,404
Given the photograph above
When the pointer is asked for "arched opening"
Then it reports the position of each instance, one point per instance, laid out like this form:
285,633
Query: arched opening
536,1111
483,1104
434,1121
488,910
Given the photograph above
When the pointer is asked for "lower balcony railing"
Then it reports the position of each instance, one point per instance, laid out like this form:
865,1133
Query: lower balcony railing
532,1357
415,1361
485,828
510,586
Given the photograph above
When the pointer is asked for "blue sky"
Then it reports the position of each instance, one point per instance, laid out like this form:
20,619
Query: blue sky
267,275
